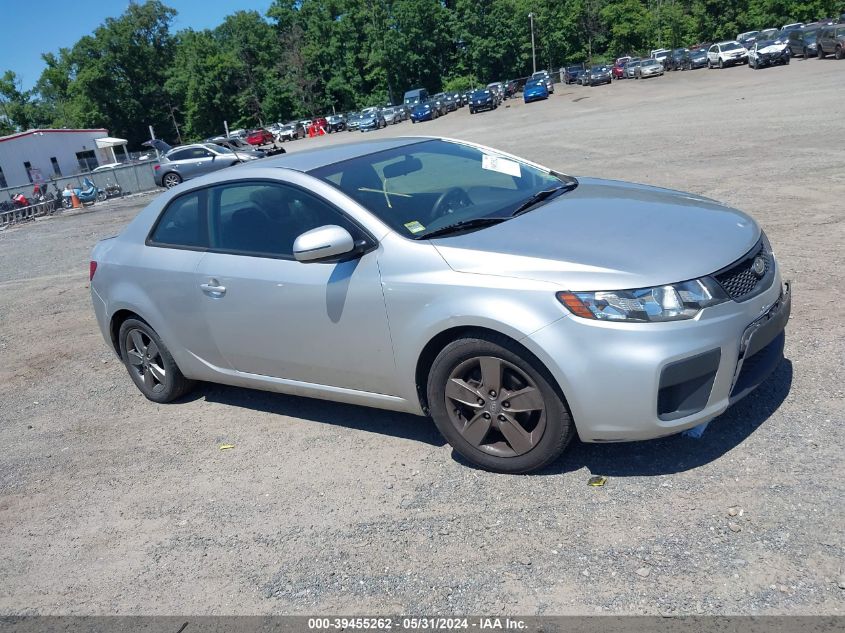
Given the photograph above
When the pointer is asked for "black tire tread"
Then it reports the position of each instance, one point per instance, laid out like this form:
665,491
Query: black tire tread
179,385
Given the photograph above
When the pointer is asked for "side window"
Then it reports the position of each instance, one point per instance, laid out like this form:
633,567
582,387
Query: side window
199,152
180,155
712,49
183,222
264,219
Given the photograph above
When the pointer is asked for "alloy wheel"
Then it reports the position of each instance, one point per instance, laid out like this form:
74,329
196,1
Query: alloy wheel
495,406
171,180
145,360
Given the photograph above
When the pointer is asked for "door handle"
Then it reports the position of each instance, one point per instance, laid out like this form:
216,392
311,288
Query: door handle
213,288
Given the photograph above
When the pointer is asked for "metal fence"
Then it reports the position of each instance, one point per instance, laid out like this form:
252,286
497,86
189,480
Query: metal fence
132,178
25,214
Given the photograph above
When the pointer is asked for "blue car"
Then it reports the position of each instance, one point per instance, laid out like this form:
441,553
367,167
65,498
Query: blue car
423,111
535,90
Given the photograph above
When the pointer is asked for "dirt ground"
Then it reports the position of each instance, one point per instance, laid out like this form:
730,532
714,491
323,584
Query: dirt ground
110,504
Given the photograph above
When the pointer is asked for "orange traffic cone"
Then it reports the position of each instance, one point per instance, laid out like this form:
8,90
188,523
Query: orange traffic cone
74,199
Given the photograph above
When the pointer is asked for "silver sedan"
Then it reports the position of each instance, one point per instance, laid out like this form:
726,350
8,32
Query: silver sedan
514,305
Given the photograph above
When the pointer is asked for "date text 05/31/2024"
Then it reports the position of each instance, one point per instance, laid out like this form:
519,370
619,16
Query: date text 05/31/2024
416,624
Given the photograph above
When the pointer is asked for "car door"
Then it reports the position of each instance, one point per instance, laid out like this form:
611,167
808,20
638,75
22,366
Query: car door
713,54
270,315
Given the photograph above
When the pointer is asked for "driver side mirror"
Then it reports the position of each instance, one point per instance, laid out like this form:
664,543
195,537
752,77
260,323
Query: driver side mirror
325,243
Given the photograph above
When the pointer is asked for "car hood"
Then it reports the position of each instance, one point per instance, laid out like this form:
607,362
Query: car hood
607,235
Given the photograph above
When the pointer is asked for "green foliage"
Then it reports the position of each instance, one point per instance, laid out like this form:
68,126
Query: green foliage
309,57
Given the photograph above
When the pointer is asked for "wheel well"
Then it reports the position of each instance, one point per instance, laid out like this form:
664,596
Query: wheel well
439,342
117,320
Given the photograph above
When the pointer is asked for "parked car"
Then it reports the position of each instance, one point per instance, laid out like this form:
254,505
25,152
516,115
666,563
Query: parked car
237,144
424,111
768,53
259,137
767,34
320,122
440,102
535,90
597,75
803,41
630,71
748,37
498,88
696,58
792,27
440,263
677,59
415,96
184,162
482,99
511,88
618,70
649,68
353,120
571,74
291,131
547,79
371,119
392,115
727,54
660,54
831,41
336,123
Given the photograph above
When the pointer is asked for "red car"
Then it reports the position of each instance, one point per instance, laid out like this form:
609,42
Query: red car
260,137
618,70
320,122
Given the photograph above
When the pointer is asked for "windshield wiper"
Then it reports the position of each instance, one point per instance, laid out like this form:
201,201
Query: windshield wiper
543,195
463,225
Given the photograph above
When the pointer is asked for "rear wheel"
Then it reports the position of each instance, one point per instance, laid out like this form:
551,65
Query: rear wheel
150,364
721,63
497,406
102,196
171,179
820,54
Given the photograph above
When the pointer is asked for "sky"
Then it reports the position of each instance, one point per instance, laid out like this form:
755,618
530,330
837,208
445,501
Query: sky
58,24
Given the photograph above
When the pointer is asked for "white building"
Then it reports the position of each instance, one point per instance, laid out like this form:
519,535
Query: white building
43,154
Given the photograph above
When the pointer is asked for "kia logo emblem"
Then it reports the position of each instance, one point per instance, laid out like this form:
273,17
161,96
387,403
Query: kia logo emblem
759,266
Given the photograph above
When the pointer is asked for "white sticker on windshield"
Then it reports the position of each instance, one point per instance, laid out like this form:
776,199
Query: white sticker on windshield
501,165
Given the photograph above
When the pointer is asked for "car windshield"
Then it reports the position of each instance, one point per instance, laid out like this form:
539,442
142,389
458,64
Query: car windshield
574,69
535,83
650,62
600,68
421,188
481,93
809,34
730,46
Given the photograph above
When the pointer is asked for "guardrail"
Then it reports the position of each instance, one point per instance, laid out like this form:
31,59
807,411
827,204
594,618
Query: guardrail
25,214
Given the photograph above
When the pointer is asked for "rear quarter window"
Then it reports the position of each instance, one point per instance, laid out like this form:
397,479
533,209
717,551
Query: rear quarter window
183,224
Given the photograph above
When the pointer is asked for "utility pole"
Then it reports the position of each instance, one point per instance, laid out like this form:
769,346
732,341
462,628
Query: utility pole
533,50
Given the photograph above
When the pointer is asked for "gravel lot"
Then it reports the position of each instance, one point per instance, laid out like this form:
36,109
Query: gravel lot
112,504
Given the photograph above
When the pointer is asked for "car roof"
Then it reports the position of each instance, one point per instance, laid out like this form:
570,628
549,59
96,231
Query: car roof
309,159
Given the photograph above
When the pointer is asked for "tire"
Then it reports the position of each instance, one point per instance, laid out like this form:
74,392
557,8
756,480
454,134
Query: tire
150,364
502,440
102,196
820,54
838,52
171,179
806,53
721,64
67,203
786,60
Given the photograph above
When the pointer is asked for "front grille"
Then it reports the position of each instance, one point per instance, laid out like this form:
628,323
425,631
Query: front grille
739,279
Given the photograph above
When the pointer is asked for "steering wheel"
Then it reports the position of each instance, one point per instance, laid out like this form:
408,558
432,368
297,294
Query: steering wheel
450,201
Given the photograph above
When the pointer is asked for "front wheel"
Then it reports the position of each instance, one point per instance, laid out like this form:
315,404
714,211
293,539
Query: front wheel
497,405
838,54
150,364
820,54
102,196
721,64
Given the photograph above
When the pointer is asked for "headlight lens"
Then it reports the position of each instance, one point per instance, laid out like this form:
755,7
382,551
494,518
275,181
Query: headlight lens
672,302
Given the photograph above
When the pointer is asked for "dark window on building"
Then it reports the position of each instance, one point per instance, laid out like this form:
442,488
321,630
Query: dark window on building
57,171
3,183
28,167
87,160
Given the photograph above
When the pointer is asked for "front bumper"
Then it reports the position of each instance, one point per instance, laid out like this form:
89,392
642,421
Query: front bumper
627,381
423,117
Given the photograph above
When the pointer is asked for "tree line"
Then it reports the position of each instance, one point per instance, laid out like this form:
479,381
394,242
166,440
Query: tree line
309,57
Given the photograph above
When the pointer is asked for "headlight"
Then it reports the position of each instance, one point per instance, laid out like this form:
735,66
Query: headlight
673,302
